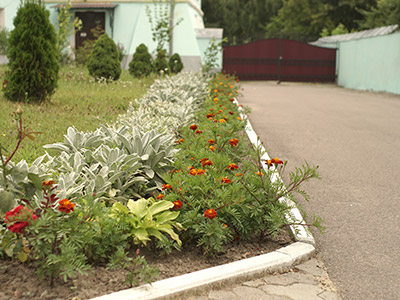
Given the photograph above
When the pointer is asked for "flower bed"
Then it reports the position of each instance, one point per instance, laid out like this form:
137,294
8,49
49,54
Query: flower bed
175,170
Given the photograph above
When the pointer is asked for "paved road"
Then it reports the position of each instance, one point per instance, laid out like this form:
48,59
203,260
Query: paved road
355,139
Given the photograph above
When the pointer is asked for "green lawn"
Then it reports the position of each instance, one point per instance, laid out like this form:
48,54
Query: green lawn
78,101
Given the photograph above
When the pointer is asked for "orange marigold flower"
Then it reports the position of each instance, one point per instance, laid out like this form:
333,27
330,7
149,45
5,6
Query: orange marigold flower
259,173
233,142
239,174
212,148
209,115
231,86
220,111
180,141
177,204
192,158
225,180
199,132
222,121
200,171
239,118
274,161
65,206
226,226
215,91
211,141
193,127
203,160
193,172
47,183
207,163
160,196
166,187
232,167
210,213
221,83
215,100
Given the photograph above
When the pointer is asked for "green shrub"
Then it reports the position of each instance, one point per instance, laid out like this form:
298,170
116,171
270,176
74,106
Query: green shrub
104,62
141,64
33,59
175,63
161,62
4,35
82,53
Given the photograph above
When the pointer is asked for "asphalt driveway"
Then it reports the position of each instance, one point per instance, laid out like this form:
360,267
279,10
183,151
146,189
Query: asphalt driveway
355,139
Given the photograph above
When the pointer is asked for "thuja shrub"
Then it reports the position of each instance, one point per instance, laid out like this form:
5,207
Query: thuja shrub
175,63
104,61
141,64
33,58
161,62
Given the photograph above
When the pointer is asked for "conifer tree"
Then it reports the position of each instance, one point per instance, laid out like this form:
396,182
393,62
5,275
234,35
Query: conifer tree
104,62
33,66
141,64
175,63
161,62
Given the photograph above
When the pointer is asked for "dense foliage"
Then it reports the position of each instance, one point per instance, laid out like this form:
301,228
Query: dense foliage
161,62
104,61
175,63
33,58
307,20
141,64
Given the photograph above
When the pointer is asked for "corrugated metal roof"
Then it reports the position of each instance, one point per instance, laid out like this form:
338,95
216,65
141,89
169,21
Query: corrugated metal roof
88,5
357,35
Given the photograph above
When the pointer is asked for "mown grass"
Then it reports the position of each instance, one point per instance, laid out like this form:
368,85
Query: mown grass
78,101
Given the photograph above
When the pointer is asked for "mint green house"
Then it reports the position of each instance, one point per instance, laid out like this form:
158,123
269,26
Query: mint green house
127,22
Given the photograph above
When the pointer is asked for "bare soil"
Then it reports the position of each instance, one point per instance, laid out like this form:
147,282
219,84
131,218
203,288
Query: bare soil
19,281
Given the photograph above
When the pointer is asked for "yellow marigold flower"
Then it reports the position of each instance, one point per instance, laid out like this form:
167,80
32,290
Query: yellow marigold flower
212,148
222,121
260,173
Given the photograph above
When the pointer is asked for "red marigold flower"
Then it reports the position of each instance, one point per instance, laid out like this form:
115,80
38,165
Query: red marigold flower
211,141
225,180
232,166
166,187
180,141
203,160
210,213
233,142
160,196
193,172
193,127
47,183
207,163
231,112
274,161
210,115
65,206
178,204
18,227
199,132
232,99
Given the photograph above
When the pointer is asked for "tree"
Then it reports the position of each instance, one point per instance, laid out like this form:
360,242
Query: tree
161,62
141,64
387,12
33,59
175,63
104,62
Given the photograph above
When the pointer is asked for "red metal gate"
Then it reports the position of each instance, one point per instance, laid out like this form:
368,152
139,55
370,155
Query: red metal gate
280,59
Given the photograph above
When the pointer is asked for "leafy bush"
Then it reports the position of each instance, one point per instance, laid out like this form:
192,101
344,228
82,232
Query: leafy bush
33,59
104,61
82,53
4,36
175,63
141,64
161,62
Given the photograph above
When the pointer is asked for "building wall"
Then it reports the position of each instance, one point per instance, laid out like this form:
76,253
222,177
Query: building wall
371,63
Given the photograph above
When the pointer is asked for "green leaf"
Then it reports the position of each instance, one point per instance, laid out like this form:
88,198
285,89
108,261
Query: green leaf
22,256
167,216
168,229
36,180
138,207
120,207
160,206
7,201
140,235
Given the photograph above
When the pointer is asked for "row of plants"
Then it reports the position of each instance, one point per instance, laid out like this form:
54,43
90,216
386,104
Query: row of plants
175,170
91,203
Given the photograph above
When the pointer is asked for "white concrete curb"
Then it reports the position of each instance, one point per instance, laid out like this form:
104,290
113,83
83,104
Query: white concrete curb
246,269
